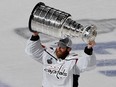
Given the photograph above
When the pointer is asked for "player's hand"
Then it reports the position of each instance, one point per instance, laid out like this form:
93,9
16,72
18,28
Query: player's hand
91,44
35,33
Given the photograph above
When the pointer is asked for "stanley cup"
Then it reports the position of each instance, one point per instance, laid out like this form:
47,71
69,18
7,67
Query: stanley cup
58,23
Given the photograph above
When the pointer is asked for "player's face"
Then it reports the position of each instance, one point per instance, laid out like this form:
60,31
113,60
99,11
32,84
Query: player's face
62,52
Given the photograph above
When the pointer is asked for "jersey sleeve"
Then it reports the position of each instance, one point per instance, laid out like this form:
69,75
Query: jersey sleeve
35,49
86,62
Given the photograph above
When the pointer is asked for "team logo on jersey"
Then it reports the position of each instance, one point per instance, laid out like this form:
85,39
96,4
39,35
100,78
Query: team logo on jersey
59,72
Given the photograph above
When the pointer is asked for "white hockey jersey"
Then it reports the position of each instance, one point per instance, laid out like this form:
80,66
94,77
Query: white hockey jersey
58,72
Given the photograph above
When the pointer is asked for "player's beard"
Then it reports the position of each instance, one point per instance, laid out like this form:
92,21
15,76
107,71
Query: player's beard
62,55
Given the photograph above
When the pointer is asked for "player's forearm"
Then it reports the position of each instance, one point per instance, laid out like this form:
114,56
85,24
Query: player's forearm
33,46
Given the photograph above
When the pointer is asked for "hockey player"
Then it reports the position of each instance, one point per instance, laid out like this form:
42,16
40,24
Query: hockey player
61,68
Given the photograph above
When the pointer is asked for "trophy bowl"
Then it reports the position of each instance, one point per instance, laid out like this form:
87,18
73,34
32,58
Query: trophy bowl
89,33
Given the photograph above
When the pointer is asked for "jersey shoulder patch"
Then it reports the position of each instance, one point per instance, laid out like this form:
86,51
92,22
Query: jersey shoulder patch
50,49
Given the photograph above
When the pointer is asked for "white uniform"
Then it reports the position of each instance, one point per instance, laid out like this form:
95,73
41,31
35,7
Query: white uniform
58,72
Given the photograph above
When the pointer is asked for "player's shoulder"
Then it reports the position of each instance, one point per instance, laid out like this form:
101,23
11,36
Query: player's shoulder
72,56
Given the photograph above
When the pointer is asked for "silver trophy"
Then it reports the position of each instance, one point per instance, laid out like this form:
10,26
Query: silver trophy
58,23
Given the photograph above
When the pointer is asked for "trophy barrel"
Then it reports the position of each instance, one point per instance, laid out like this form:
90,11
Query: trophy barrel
47,20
